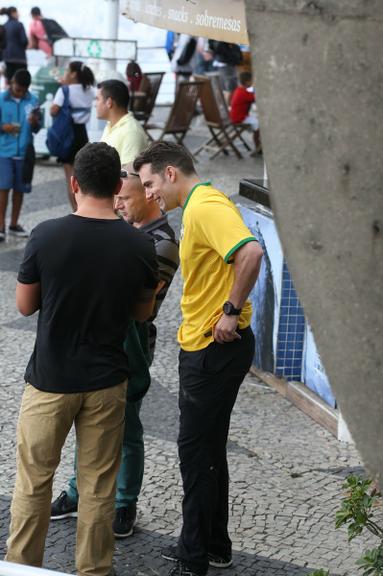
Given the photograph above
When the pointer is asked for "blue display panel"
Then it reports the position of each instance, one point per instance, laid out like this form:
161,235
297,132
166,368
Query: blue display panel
284,342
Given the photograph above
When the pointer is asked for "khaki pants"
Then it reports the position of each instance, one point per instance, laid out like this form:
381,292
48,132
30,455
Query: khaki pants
44,422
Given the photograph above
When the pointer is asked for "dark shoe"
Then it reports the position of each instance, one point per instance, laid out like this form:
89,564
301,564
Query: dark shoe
63,507
18,231
124,521
181,570
219,561
170,553
2,235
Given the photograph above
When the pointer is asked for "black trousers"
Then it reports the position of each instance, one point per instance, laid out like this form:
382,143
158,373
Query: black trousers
209,384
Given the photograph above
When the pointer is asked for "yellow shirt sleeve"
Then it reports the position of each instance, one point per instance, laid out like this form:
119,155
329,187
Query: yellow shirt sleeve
221,226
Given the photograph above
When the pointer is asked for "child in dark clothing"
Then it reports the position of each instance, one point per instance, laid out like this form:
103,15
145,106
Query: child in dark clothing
241,101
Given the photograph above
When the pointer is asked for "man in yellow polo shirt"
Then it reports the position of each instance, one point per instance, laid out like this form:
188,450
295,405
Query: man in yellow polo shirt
122,131
220,262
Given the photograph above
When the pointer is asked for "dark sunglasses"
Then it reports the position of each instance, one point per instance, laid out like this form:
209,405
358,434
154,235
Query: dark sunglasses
125,173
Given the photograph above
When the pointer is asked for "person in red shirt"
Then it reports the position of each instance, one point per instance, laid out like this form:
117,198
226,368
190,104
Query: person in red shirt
242,99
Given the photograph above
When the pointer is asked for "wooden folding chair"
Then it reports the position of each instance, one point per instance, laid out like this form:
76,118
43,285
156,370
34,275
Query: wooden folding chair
223,132
181,113
142,101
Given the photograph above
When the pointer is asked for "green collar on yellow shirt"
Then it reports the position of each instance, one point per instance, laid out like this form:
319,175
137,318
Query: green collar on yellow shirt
191,192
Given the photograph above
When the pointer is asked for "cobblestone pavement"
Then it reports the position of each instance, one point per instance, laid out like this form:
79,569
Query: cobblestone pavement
286,471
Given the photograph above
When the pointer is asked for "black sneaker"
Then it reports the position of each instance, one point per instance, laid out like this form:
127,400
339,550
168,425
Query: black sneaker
181,570
124,521
2,235
63,507
18,230
170,553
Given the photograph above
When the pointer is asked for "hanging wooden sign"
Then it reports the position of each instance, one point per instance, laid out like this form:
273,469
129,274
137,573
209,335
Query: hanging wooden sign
219,20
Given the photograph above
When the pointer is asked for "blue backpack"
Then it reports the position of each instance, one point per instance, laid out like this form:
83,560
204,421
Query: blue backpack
60,136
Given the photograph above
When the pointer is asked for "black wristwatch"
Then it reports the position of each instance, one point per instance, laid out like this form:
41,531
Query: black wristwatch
230,310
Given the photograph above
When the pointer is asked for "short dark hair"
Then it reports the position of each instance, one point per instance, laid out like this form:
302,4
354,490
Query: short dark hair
22,77
162,154
35,11
97,169
117,91
245,77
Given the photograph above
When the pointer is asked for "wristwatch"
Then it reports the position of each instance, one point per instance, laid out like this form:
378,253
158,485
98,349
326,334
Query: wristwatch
230,310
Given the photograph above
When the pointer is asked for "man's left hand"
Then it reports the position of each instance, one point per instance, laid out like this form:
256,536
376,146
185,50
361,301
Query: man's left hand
225,329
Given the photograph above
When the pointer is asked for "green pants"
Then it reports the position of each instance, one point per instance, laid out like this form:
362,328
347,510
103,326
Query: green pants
131,471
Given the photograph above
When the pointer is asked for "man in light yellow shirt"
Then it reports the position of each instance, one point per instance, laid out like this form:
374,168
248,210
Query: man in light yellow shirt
220,262
122,131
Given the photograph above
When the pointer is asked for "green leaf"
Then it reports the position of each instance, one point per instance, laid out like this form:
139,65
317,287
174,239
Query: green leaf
372,562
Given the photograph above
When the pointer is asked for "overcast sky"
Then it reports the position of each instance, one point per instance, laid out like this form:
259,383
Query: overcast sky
85,17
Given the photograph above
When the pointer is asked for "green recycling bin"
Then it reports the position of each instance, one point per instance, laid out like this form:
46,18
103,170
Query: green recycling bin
46,81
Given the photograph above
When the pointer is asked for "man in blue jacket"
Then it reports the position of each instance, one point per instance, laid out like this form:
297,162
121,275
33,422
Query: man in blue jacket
19,119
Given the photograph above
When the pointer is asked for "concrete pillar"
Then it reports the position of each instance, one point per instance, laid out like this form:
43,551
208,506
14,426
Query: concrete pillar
319,76
112,14
111,19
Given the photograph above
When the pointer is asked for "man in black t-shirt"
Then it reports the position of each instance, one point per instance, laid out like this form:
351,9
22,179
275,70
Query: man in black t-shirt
144,214
78,371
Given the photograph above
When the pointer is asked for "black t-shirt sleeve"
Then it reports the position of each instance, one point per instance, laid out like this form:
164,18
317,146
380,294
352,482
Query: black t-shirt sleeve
29,272
149,258
152,273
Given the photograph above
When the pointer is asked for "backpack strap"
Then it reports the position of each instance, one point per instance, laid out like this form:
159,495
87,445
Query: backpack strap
65,89
81,109
73,109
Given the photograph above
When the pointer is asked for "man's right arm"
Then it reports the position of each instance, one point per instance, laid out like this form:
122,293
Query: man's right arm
28,298
144,306
28,288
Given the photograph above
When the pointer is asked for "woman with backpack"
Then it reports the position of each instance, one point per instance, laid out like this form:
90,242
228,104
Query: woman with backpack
15,43
77,87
